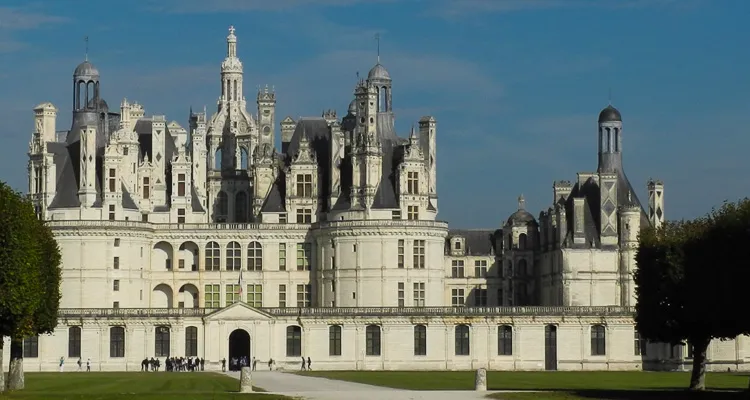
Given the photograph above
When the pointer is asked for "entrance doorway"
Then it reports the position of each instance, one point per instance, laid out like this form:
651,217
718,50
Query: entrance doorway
550,348
239,350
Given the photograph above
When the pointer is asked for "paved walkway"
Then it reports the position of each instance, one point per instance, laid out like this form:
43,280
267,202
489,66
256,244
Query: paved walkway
313,388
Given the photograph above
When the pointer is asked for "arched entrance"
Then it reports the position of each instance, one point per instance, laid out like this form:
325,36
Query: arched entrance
239,349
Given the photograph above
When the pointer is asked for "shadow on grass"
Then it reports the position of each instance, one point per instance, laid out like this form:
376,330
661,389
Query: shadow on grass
665,394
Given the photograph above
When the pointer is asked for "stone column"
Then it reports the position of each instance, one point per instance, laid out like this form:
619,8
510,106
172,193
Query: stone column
480,381
246,380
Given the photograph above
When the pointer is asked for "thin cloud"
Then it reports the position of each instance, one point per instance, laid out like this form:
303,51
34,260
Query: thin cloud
454,8
219,6
13,19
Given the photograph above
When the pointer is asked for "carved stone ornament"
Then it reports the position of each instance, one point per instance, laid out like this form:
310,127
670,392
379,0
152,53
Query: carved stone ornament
480,381
246,380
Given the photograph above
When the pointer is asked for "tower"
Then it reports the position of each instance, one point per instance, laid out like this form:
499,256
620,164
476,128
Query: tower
656,202
231,73
367,153
266,115
610,141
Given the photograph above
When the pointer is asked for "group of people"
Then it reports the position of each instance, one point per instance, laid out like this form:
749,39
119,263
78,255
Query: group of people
174,364
236,363
79,362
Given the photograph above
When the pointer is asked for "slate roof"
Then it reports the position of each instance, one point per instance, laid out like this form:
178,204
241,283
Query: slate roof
478,242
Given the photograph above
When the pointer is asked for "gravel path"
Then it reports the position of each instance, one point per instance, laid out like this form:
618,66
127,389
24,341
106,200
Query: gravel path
314,388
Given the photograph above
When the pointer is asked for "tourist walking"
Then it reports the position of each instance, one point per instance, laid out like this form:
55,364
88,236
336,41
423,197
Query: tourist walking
80,363
308,364
88,365
62,364
303,363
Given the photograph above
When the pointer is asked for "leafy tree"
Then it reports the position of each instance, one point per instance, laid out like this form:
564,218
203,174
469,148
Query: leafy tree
690,279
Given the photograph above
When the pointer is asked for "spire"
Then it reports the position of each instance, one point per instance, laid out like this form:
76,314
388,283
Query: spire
377,39
86,54
610,96
231,43
521,202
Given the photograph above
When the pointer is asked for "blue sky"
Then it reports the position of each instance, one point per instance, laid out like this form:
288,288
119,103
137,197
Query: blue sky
515,85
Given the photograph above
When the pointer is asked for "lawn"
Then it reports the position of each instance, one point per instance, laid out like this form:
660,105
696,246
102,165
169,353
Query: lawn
563,385
132,385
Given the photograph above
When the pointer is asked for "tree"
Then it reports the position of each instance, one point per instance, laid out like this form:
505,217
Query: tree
690,278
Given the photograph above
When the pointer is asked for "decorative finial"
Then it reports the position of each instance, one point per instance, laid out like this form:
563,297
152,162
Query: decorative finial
521,202
377,38
86,55
610,96
231,29
630,196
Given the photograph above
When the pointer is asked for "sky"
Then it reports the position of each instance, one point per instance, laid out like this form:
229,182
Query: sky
515,85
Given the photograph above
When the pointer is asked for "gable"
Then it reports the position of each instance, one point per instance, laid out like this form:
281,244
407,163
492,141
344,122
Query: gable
238,312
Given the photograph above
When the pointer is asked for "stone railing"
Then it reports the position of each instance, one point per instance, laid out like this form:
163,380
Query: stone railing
384,223
174,227
358,311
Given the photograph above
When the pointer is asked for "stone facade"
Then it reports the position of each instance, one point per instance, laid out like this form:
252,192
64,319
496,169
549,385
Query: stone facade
214,242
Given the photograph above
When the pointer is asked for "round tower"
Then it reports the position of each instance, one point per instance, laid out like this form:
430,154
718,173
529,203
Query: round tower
610,141
520,240
379,78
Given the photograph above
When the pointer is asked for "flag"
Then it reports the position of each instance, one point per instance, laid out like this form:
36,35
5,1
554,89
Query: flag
240,283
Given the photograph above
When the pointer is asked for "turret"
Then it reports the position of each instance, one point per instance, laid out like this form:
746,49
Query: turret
656,202
266,115
287,131
610,141
428,141
367,153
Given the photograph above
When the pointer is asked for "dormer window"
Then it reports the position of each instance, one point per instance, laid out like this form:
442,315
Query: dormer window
457,245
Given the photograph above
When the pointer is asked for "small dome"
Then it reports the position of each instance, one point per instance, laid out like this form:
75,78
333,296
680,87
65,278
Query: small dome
520,217
100,105
353,107
86,69
610,114
379,72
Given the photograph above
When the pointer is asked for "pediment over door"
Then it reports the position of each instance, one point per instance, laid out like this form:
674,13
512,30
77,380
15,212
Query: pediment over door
239,311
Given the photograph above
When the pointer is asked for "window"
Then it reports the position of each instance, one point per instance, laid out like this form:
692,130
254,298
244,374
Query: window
293,341
372,340
180,215
401,294
146,188
282,218
304,216
116,342
505,340
116,263
144,217
419,254
116,285
304,185
500,297
222,207
115,304
125,151
598,340
282,256
521,269
212,296
480,268
304,252
462,340
303,295
191,341
233,294
112,180
111,212
639,345
420,340
234,256
419,294
181,185
412,213
117,242
457,298
457,268
31,347
282,295
480,297
213,256
522,241
254,256
396,214
240,207
161,341
412,183
255,295
74,341
334,340
401,253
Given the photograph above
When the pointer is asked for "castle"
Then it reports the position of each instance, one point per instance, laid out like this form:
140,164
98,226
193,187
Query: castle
215,242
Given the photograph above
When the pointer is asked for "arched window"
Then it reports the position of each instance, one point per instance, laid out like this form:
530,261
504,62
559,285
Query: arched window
222,207
420,340
116,342
522,268
522,241
31,347
293,341
74,341
334,340
505,340
217,159
254,256
598,340
462,340
191,341
244,162
161,341
213,256
372,340
234,256
240,207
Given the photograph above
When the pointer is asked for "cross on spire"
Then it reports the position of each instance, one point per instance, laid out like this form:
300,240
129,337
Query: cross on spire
231,29
377,38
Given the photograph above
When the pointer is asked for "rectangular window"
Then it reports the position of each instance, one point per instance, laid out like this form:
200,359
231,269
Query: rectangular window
116,263
412,213
419,259
480,297
304,216
303,295
457,268
117,342
457,298
144,217
255,296
111,212
304,185
304,253
334,340
180,215
639,345
146,188
598,340
232,294
116,285
401,294
117,242
282,296
401,253
412,183
212,296
74,341
505,340
282,256
181,184
31,347
191,341
396,214
112,180
282,218
420,340
480,268
115,304
419,294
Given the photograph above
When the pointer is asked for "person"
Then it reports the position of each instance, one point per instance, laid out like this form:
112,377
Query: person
80,363
223,365
203,363
88,365
62,364
255,362
270,364
303,363
308,364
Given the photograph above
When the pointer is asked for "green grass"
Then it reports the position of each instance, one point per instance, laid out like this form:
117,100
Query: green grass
562,385
132,385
